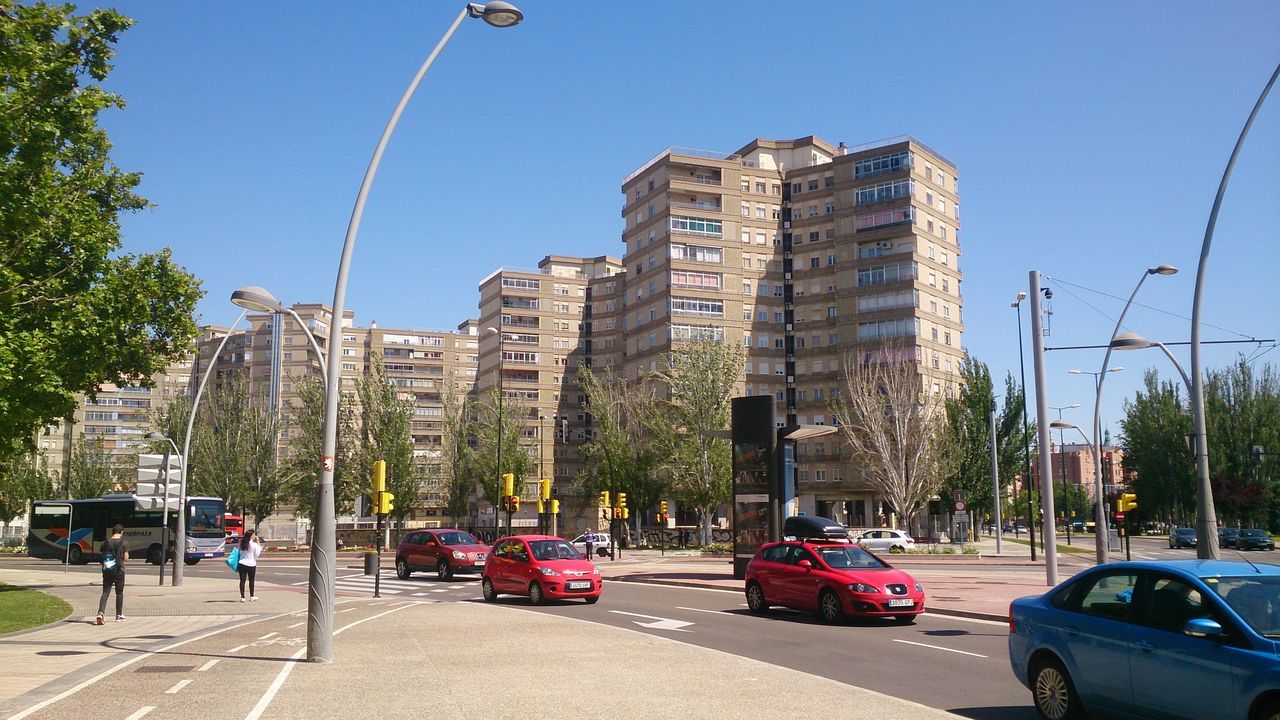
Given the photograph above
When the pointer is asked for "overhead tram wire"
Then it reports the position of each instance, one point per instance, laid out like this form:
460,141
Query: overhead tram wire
1141,305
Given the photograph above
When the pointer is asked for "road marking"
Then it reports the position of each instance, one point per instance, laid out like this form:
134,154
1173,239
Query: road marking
420,594
348,610
208,665
141,711
439,590
377,603
714,612
237,648
659,622
264,637
304,622
178,686
938,647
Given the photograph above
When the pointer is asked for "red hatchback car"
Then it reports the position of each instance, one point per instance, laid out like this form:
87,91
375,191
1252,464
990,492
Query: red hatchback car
542,567
834,578
443,551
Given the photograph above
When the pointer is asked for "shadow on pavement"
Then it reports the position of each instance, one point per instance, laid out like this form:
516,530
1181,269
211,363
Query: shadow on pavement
996,713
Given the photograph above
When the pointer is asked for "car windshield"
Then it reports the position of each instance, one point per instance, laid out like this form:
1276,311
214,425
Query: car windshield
849,556
553,550
1253,533
1186,532
456,537
1254,598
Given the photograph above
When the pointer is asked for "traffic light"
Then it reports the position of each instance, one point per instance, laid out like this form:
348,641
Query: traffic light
544,489
508,484
555,507
515,503
622,499
1128,501
626,513
604,498
379,478
662,508
385,504
542,505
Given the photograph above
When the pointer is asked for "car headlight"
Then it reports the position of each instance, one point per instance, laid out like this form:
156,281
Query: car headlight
919,589
547,571
595,569
459,555
863,588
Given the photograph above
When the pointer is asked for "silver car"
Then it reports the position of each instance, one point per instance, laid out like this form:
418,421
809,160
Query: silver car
886,540
599,544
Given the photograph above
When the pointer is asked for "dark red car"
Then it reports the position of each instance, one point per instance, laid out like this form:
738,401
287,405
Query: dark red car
834,578
542,567
443,551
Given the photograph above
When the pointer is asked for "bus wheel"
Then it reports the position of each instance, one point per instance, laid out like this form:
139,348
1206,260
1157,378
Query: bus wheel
153,555
75,556
192,561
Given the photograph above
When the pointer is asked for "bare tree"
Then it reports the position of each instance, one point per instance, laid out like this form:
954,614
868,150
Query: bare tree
893,416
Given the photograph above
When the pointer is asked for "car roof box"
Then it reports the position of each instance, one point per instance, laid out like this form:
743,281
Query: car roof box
812,526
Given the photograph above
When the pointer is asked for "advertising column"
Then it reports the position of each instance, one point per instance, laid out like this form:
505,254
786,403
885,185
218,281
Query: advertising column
753,436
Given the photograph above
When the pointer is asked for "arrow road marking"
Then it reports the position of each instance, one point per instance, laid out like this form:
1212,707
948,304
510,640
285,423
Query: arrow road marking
660,624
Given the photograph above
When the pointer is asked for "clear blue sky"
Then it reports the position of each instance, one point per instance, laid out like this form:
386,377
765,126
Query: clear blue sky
1090,138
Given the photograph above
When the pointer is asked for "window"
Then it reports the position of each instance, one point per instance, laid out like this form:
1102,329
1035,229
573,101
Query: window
760,187
760,237
881,192
813,236
797,188
881,164
831,260
761,211
814,262
694,279
828,181
696,226
697,306
696,253
746,207
831,311
813,184
1109,595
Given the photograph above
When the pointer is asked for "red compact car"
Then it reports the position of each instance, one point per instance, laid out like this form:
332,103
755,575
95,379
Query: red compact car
542,567
444,551
834,578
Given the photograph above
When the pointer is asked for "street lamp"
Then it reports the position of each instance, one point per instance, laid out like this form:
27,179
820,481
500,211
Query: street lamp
1026,434
542,439
320,583
498,494
1100,542
1134,341
1066,499
261,300
180,539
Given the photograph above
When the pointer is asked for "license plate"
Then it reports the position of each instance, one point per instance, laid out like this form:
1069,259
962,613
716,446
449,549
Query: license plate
208,554
902,602
578,585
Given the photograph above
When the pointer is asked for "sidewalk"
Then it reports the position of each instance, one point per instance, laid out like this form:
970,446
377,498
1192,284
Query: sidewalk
555,665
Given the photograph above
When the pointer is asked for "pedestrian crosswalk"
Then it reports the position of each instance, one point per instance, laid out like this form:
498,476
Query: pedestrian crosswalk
363,585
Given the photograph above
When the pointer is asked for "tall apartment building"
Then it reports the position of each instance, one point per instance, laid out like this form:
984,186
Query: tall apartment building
804,252
533,334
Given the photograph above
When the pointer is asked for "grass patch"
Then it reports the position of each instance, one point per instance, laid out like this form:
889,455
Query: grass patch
1061,548
21,608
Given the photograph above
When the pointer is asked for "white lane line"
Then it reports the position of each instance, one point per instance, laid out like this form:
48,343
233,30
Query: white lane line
419,594
264,637
208,665
377,603
178,686
141,711
456,587
713,612
237,648
348,610
938,647
300,624
275,686
439,590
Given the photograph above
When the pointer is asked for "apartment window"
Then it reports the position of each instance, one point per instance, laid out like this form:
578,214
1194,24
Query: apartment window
828,181
933,280
760,212
288,356
813,184
746,287
829,208
829,233
881,164
831,311
650,185
814,262
946,285
933,334
931,253
776,189
831,340
947,338
746,236
762,315
936,364
800,342
760,187
348,366
696,226
946,311
779,343
777,291
813,210
762,341
928,199
777,317
813,236
760,237
831,260
746,185
797,187
746,208
933,306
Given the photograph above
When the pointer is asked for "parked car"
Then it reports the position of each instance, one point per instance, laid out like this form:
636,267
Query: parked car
1192,639
1227,536
443,551
893,541
541,567
599,546
832,577
1181,537
1254,539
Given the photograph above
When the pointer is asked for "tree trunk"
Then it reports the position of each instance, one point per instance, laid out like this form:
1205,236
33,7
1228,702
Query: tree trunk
705,516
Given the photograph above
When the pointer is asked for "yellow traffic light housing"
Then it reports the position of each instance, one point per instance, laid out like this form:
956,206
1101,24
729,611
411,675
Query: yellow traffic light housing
379,477
604,498
555,507
1128,501
544,490
622,499
508,484
385,502
515,503
662,507
626,513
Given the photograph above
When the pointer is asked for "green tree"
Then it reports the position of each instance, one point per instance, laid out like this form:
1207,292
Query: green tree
385,419
698,377
490,421
94,471
74,311
619,455
20,483
233,446
306,449
1152,436
457,461
1242,410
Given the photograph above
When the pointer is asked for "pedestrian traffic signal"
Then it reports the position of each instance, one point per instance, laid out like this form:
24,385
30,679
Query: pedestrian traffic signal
1128,501
544,487
379,477
604,498
622,499
508,484
385,504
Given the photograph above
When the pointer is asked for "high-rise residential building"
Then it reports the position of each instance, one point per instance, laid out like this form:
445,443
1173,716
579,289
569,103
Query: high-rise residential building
533,336
803,252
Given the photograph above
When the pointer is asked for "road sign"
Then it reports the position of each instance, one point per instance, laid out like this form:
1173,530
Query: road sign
1119,517
960,506
53,510
962,516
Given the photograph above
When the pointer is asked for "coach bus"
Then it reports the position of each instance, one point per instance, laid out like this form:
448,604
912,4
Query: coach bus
74,530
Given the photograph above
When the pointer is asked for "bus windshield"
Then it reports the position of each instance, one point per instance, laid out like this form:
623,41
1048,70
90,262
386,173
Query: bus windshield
205,518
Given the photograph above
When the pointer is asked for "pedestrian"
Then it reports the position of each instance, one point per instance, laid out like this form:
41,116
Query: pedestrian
250,549
114,553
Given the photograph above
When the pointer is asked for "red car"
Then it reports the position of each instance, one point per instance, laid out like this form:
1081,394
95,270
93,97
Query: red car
834,578
542,567
444,551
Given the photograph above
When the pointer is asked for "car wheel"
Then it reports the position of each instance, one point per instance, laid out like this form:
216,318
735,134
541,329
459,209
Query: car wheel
535,594
602,551
592,599
1054,696
755,599
829,607
1270,711
443,571
897,549
904,619
486,589
153,555
75,555
402,569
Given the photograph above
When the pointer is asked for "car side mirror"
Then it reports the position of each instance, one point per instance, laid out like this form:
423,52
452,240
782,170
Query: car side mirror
805,564
1203,628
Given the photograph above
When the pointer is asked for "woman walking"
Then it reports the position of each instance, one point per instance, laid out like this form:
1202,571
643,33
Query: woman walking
114,553
250,549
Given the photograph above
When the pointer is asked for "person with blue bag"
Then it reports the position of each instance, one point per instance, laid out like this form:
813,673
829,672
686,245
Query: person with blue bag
114,553
247,562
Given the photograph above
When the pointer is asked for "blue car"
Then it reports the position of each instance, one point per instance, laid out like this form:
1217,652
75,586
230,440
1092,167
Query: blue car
1193,639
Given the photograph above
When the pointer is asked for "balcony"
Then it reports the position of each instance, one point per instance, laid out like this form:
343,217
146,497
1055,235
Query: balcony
698,205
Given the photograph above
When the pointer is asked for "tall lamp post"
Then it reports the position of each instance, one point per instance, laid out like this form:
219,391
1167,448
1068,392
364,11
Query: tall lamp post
1066,499
498,494
323,562
1026,435
542,439
1100,529
261,300
180,538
